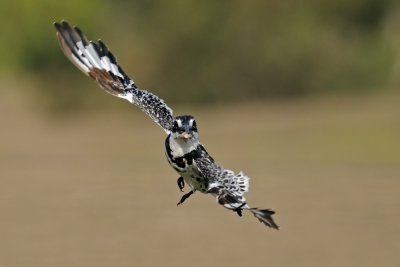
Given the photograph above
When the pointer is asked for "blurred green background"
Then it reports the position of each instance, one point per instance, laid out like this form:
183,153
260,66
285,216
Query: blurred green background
214,51
300,95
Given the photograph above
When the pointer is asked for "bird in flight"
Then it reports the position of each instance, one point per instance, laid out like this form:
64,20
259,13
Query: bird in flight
184,151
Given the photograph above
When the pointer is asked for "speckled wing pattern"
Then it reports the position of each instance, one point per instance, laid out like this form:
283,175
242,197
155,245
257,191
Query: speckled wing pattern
222,182
229,188
96,61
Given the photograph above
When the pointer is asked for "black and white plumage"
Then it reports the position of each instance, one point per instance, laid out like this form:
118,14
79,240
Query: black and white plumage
184,151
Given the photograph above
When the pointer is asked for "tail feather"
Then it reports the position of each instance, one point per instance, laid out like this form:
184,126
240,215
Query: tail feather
265,216
238,203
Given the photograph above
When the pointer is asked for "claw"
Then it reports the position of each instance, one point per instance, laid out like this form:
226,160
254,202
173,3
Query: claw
184,197
181,183
239,212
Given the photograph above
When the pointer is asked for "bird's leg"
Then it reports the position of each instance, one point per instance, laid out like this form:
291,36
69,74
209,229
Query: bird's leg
185,196
239,211
181,183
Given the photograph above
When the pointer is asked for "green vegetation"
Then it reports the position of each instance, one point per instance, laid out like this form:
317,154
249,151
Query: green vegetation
206,51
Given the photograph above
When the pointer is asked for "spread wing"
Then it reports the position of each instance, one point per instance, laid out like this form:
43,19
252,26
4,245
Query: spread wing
219,179
96,61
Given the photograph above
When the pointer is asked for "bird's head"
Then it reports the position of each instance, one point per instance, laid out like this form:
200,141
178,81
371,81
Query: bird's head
185,128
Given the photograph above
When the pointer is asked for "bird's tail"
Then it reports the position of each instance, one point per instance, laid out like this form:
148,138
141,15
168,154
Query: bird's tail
230,201
265,216
238,203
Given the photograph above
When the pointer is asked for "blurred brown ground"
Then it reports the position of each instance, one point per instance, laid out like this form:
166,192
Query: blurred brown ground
96,190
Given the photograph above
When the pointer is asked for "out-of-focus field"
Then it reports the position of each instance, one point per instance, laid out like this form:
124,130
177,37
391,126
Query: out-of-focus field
95,189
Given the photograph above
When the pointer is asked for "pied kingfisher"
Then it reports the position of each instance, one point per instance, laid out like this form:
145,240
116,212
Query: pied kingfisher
184,151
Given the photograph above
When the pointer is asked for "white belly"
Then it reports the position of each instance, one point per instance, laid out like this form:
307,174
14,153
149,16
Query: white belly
195,179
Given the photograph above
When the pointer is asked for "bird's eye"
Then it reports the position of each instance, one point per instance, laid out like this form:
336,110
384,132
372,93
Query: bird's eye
194,125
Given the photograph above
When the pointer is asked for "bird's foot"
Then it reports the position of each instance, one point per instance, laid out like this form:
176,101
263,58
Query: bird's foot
239,211
181,183
184,197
